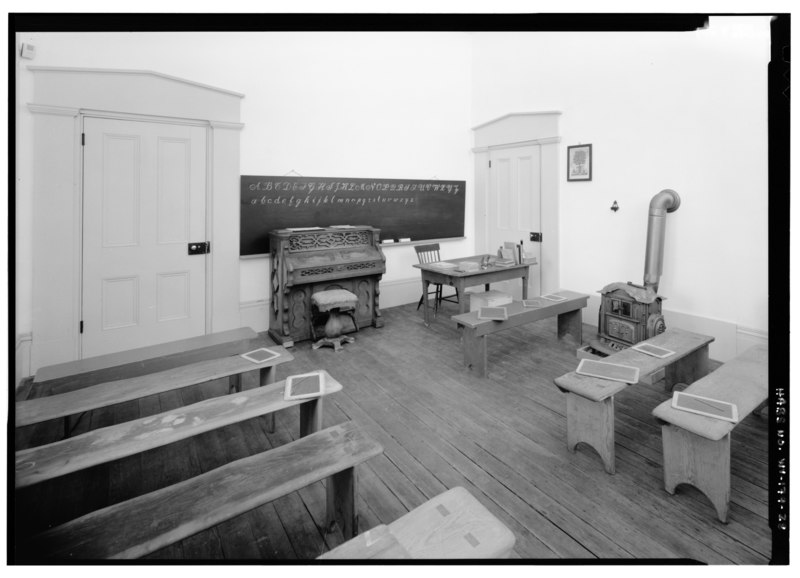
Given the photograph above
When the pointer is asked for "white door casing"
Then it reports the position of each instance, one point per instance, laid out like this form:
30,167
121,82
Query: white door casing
144,202
514,207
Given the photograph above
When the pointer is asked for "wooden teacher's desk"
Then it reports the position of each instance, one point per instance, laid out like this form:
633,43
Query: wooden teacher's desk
435,273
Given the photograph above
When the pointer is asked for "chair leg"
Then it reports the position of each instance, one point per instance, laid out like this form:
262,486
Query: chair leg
421,299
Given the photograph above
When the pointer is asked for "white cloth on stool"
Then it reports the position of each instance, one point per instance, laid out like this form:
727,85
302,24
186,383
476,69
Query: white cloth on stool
334,299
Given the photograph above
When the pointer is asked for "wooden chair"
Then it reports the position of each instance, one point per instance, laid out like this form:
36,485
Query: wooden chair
430,254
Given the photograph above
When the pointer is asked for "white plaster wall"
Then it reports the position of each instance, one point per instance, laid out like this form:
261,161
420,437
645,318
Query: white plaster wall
390,105
679,110
685,111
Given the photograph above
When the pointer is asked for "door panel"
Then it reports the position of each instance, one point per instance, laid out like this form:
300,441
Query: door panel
514,200
144,202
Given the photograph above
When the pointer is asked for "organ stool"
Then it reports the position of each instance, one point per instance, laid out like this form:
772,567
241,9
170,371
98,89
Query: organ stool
333,302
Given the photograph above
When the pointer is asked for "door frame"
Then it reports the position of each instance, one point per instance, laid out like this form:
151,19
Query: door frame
209,265
60,96
511,131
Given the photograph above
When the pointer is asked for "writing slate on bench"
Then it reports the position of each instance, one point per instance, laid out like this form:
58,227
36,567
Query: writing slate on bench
401,208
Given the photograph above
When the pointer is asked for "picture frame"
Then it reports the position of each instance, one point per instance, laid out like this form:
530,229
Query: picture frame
579,162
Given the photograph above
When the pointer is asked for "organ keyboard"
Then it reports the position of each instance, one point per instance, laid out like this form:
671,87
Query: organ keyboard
307,261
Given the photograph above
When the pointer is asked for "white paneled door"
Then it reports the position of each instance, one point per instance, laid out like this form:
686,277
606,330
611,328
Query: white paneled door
514,208
144,203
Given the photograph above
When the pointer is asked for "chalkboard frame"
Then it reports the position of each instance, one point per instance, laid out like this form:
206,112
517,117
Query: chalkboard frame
405,210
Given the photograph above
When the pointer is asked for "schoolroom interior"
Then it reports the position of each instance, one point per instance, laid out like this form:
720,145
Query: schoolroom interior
322,294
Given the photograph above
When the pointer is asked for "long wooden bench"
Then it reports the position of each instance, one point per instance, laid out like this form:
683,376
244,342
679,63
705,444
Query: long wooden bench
62,377
697,449
149,522
77,401
474,331
34,465
590,400
453,525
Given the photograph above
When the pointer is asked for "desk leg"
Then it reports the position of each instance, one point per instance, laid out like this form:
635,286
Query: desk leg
687,370
475,355
266,375
571,324
462,296
426,314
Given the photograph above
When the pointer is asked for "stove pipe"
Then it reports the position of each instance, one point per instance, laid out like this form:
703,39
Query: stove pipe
667,201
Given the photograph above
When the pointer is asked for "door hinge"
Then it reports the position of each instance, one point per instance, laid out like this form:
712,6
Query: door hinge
199,248
81,326
83,139
490,164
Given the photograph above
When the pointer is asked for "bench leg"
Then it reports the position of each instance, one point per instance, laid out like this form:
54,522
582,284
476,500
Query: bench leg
570,324
235,383
701,462
592,422
266,375
341,497
311,416
475,355
687,370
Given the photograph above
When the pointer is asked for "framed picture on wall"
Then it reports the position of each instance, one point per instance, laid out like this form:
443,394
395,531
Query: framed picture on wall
579,163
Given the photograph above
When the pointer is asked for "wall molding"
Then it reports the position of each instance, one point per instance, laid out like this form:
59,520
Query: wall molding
22,358
131,72
52,109
538,141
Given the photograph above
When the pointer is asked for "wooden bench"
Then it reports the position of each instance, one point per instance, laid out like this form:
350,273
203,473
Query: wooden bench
474,331
71,375
590,400
104,394
697,449
453,525
34,465
149,522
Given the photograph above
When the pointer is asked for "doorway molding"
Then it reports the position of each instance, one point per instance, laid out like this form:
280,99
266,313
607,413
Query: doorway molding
513,130
62,97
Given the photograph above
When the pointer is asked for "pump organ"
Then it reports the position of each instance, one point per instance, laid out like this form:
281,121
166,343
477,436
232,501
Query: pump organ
304,262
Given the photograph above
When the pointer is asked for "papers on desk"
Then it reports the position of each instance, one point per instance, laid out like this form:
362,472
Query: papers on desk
260,355
554,297
468,266
304,386
443,265
653,350
706,406
606,370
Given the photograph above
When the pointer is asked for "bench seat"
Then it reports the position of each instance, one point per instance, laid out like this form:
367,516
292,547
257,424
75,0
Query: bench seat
106,444
105,394
697,447
144,524
70,375
452,525
474,331
590,400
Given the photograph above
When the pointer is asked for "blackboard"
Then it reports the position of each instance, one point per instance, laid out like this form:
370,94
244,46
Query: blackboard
401,208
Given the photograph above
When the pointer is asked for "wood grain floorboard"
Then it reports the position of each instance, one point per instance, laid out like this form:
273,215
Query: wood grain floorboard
502,437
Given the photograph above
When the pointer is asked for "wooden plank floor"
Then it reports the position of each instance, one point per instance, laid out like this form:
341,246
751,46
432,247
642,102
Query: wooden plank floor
503,438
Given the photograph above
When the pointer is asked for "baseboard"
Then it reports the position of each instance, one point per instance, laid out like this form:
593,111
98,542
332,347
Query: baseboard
22,358
254,314
729,338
